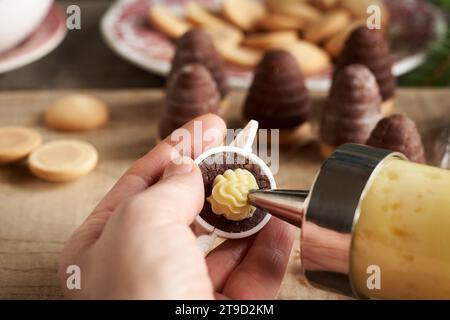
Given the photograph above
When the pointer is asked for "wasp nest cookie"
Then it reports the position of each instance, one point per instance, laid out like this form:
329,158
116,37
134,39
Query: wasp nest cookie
398,133
370,48
195,46
278,98
352,109
191,92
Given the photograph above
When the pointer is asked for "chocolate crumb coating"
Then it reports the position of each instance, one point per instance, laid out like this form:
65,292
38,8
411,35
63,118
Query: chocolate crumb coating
218,164
195,46
191,92
353,107
398,133
278,98
370,48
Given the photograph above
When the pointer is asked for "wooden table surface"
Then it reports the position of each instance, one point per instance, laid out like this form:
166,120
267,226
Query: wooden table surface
37,217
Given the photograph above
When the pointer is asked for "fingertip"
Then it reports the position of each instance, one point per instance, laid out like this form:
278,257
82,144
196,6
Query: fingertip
278,234
214,121
198,135
179,166
213,132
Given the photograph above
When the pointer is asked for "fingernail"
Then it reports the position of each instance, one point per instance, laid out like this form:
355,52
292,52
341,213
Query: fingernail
179,166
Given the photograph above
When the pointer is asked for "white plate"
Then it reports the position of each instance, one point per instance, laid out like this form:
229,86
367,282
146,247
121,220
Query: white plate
42,41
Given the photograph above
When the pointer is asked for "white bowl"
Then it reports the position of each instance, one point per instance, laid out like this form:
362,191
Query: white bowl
19,18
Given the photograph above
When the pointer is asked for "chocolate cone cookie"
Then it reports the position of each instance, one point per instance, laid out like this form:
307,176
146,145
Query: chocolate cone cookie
352,109
196,46
278,98
191,92
370,48
398,133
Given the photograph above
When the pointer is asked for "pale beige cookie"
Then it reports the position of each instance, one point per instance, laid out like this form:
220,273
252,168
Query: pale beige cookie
300,135
336,43
63,160
225,104
242,56
201,16
77,112
299,9
388,107
358,9
17,143
325,4
270,40
224,36
326,150
280,22
167,22
326,27
311,58
244,13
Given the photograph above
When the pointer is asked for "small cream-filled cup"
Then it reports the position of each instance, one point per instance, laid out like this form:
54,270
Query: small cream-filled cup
241,156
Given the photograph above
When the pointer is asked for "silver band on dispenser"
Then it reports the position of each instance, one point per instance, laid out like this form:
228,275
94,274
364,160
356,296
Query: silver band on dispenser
332,212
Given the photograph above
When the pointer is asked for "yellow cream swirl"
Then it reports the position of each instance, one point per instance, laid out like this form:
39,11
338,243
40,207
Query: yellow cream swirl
229,194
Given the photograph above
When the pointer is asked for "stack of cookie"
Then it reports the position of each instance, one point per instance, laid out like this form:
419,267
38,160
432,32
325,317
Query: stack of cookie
313,31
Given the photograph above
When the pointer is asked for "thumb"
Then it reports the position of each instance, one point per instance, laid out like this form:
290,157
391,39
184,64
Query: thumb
179,195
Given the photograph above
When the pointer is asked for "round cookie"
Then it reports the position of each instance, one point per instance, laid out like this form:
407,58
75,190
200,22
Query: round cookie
326,150
168,23
201,16
245,14
325,4
280,22
63,160
77,112
224,35
297,9
241,56
388,107
17,142
311,58
326,27
358,9
270,40
301,135
336,43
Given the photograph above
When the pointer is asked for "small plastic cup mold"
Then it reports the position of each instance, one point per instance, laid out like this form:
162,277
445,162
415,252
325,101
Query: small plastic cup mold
242,146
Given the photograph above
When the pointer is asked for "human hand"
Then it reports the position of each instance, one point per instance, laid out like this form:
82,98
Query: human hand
137,243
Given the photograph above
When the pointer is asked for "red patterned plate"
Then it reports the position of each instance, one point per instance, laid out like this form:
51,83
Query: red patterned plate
126,29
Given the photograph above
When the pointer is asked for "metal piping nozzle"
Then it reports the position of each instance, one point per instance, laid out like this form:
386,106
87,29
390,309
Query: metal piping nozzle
288,205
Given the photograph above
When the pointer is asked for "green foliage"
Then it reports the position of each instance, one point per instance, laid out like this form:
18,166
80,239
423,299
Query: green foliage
436,69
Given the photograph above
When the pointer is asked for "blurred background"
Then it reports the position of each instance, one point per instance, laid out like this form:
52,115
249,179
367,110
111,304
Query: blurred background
83,60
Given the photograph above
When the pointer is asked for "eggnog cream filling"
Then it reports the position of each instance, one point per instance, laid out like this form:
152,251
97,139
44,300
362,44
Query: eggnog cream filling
229,194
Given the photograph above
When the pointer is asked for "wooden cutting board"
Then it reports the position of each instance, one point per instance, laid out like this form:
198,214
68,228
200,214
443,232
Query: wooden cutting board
37,217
